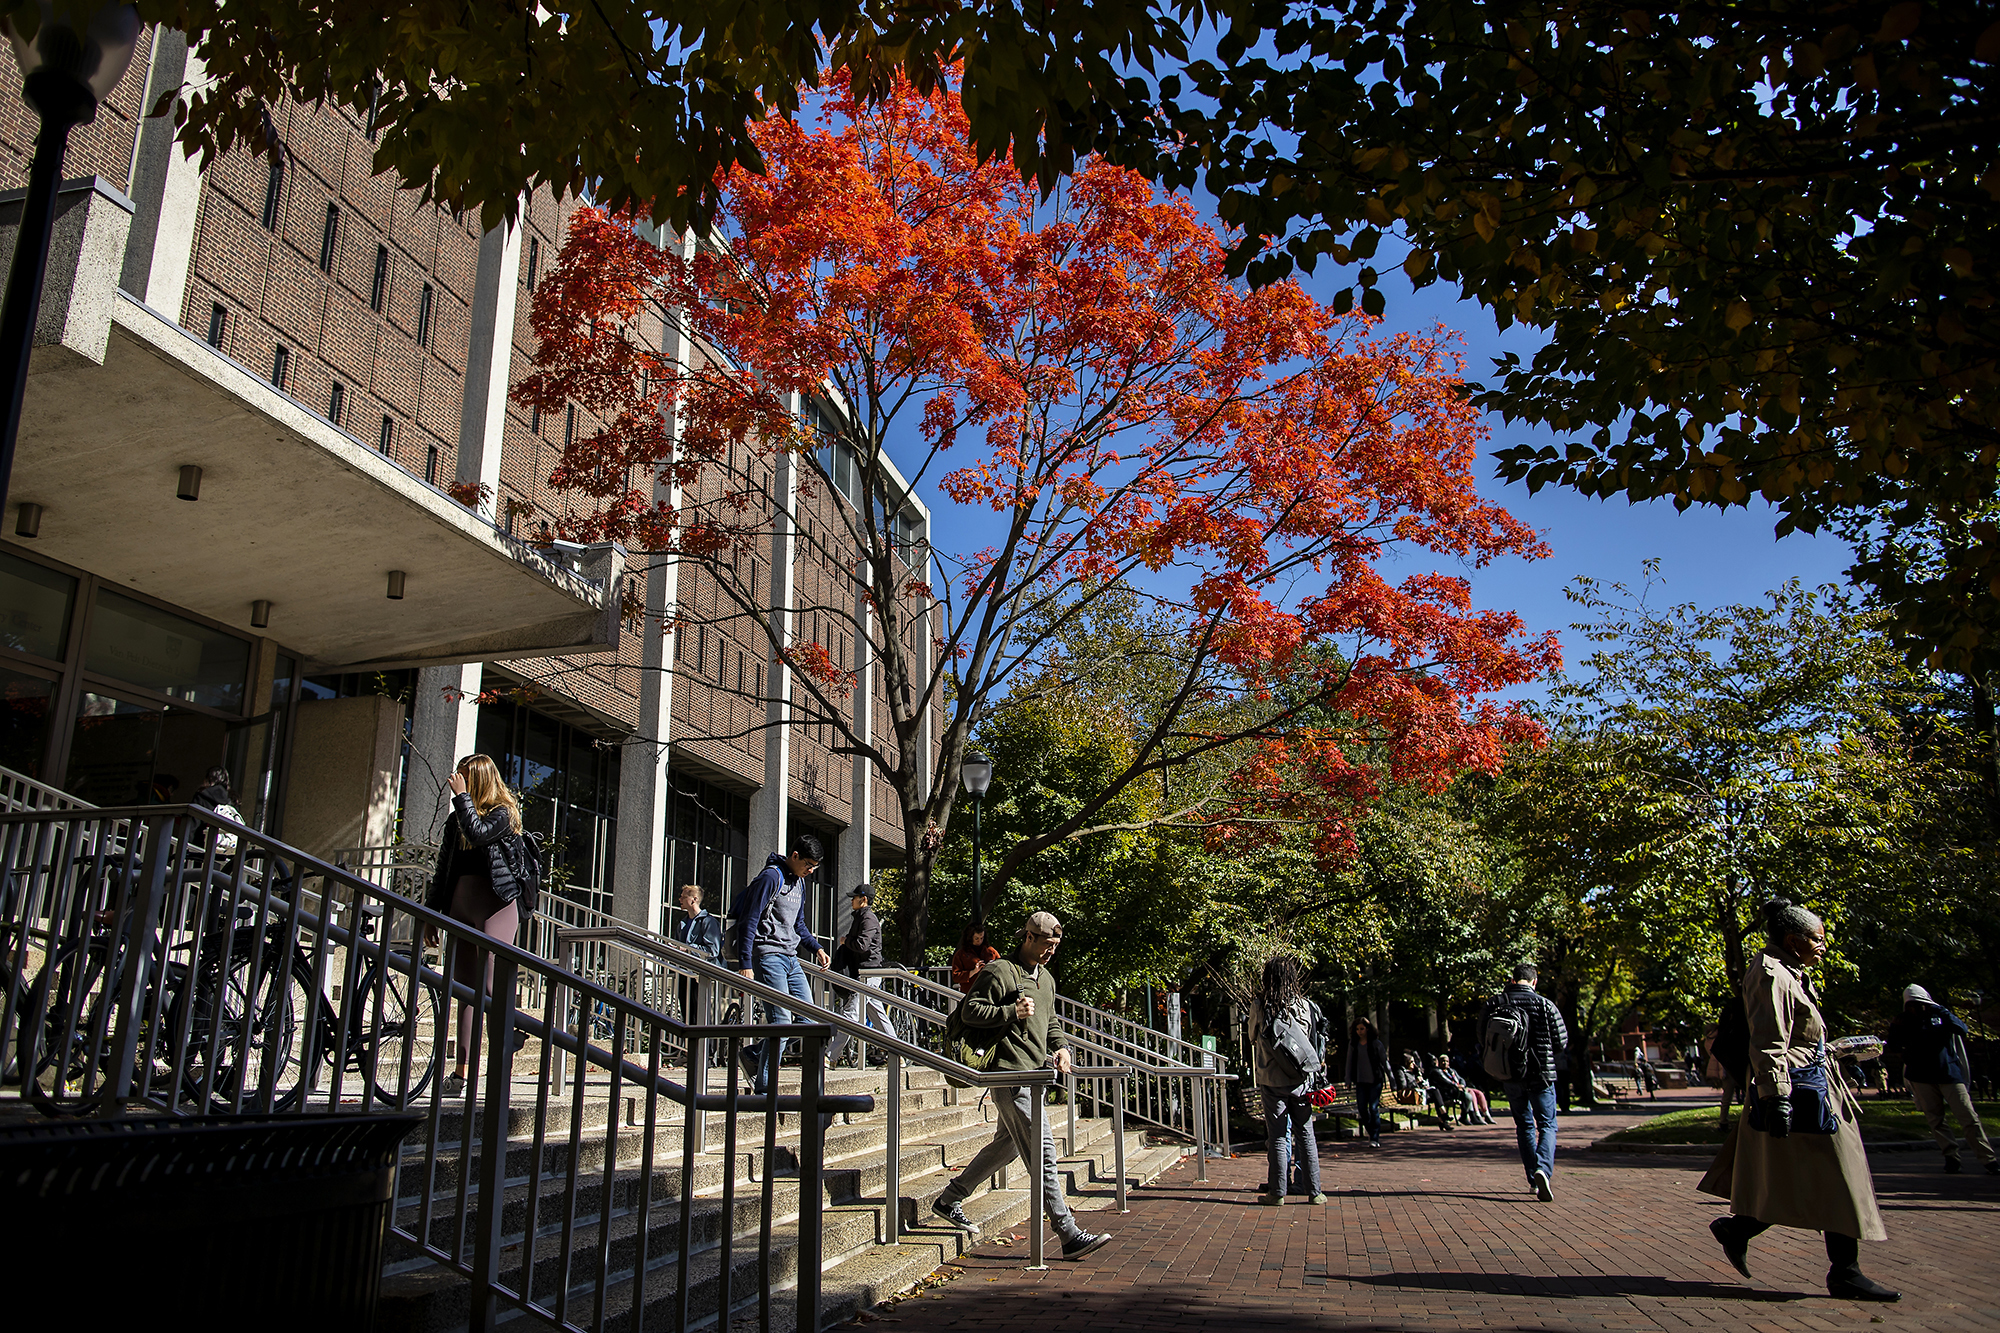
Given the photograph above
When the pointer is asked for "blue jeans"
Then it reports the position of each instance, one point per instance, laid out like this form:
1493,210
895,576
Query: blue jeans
1368,1098
779,971
1288,1130
1538,1147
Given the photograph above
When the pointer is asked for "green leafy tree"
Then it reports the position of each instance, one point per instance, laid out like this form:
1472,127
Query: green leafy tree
648,102
1710,760
1758,237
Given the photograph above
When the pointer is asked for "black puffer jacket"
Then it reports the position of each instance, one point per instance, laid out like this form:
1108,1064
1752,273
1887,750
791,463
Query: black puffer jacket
1548,1035
506,856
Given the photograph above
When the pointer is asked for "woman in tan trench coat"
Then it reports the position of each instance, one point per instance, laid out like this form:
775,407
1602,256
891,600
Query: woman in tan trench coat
1783,1173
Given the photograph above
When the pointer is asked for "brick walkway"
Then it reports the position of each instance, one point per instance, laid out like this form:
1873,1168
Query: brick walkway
1438,1230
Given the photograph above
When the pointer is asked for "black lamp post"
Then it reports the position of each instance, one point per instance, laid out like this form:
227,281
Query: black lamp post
65,73
976,772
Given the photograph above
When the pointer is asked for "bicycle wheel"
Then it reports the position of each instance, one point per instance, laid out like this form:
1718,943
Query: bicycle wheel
64,1032
398,1021
249,1031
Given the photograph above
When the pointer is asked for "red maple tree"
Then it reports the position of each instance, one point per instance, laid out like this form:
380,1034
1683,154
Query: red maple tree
1123,420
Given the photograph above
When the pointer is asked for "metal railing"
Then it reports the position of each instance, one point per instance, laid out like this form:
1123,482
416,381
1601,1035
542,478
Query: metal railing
629,957
1175,1085
141,968
18,791
1183,1097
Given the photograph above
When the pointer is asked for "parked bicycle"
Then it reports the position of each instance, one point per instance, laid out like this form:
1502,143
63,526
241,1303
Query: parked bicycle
244,1025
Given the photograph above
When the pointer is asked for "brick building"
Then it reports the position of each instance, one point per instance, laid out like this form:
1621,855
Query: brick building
231,535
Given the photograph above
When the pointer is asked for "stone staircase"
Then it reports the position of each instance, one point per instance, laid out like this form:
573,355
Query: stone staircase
941,1130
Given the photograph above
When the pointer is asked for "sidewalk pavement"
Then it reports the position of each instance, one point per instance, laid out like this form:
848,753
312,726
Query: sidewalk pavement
1439,1231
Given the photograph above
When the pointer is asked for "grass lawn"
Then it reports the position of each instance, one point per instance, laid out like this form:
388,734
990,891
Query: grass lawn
1885,1119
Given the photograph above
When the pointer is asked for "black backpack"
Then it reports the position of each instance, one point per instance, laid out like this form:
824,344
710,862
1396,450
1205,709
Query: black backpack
1503,1040
535,869
1732,1040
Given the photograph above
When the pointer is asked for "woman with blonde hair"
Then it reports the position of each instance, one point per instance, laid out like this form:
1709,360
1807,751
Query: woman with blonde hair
482,879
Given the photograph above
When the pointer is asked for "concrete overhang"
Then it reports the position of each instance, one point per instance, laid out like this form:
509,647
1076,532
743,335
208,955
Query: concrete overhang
293,511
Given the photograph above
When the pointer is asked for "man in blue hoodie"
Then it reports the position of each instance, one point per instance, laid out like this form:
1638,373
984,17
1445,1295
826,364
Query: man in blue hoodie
768,929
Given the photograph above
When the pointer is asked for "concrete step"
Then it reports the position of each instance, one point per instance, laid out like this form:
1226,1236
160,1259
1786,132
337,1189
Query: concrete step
420,1294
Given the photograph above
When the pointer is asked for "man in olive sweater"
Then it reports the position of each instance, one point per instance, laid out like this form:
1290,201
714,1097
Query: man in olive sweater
1019,996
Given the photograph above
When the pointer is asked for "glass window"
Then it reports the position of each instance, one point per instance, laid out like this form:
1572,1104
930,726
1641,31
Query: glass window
111,754
125,753
25,703
161,651
34,607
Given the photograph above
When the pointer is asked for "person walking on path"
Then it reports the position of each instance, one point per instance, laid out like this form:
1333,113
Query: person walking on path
1531,1086
482,879
1018,996
770,934
1289,1032
1929,1042
860,948
1366,1068
973,953
1794,1158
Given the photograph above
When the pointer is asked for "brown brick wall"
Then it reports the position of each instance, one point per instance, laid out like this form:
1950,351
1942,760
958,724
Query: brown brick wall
101,148
275,293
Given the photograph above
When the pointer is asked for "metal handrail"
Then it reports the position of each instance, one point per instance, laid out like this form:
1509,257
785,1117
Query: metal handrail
1203,1107
1066,1008
1077,1013
678,959
147,937
18,791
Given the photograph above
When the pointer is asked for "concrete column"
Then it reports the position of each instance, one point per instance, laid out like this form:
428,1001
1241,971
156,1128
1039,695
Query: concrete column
639,887
854,853
165,187
640,893
768,807
444,728
927,731
490,356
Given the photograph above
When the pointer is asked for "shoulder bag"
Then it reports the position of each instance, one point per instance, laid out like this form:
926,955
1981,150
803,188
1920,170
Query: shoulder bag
971,1046
1811,1103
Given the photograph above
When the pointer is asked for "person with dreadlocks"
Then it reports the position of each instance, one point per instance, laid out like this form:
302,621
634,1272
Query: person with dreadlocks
1290,1036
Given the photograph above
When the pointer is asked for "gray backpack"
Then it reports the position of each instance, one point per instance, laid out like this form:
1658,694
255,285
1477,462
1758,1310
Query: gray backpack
1292,1053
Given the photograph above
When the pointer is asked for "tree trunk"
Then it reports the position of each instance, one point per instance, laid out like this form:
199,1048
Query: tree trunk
1732,934
914,901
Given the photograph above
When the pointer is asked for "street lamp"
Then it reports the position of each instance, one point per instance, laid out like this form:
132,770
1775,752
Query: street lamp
65,73
976,772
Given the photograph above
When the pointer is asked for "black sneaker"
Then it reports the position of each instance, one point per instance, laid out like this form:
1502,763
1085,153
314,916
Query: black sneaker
1993,1168
1951,1167
1083,1243
952,1213
1540,1181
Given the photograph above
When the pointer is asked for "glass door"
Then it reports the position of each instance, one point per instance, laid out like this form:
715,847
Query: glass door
124,752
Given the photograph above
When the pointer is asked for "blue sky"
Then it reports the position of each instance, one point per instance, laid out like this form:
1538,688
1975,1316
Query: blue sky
1710,557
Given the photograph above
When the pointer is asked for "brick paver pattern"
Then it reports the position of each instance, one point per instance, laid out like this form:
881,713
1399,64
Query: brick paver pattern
1438,1231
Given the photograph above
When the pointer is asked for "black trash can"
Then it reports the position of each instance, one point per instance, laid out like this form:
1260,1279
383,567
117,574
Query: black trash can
218,1222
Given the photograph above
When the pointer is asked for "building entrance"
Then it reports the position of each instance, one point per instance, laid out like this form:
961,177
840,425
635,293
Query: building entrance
125,752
